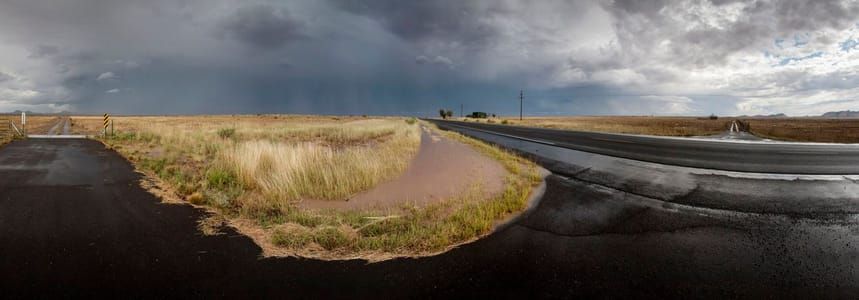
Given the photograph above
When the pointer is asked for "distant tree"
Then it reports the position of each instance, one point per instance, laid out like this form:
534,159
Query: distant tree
449,113
493,115
713,117
478,115
442,113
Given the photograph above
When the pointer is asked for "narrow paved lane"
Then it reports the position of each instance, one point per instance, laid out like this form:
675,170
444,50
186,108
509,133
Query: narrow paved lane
74,222
73,219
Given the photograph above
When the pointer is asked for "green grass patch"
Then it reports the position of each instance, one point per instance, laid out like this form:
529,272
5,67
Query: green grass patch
221,179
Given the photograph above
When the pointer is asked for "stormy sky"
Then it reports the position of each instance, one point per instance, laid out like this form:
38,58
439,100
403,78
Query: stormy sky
413,57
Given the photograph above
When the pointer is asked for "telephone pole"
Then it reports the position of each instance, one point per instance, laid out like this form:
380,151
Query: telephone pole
521,95
461,110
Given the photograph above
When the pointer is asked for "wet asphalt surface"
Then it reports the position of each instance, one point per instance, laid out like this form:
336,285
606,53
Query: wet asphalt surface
782,158
74,222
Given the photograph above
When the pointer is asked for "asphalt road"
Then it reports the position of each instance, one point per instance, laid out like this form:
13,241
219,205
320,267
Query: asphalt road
74,222
759,157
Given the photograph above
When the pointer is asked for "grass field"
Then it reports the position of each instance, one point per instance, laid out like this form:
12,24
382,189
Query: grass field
254,169
822,130
666,126
277,162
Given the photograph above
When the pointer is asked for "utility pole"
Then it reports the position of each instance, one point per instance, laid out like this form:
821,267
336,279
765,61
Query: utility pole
461,110
521,95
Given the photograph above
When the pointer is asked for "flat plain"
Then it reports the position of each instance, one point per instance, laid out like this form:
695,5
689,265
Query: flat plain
665,126
823,130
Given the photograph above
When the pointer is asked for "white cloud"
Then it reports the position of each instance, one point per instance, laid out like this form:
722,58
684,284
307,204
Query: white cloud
130,64
106,76
112,91
437,60
653,105
15,95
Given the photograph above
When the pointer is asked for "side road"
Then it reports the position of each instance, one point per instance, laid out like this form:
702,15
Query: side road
75,223
74,218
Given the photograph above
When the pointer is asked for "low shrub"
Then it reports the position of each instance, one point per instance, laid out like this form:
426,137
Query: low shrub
156,165
196,198
220,179
294,238
331,238
227,133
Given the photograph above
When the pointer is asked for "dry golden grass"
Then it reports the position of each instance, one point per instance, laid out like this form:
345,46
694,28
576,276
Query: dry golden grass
666,126
269,163
318,161
86,125
92,125
824,130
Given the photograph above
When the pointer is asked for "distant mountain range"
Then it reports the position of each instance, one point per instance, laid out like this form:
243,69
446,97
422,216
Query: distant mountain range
765,116
841,114
831,114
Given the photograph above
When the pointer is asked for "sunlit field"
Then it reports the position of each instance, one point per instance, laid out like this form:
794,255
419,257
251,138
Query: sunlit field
666,126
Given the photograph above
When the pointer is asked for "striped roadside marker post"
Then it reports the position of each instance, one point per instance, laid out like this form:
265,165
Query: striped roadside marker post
106,122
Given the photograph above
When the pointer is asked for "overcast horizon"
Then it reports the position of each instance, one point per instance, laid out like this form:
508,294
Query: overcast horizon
412,58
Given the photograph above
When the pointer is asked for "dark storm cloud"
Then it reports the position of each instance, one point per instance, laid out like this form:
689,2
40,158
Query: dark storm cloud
452,20
413,57
262,26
